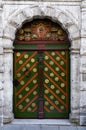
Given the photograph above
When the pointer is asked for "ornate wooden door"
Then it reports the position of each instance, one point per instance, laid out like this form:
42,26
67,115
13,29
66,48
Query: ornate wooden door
41,73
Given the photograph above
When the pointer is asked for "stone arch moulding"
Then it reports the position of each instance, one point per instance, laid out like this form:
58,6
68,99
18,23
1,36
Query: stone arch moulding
15,21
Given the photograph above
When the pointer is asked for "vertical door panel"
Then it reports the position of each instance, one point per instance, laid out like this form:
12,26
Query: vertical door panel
25,84
56,84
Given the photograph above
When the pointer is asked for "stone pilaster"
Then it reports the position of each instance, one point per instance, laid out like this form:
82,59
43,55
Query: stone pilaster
8,81
75,90
1,65
83,66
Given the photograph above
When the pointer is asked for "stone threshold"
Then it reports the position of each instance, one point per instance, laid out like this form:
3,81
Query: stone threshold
42,121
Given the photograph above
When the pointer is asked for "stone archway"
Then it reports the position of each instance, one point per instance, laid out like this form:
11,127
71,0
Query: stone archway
15,21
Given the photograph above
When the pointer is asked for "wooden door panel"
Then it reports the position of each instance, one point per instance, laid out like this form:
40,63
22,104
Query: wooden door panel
41,84
26,89
56,86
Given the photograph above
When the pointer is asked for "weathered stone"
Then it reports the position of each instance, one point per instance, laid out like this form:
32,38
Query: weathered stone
48,127
83,82
75,44
83,120
83,101
9,33
74,118
21,127
67,128
1,85
7,43
15,22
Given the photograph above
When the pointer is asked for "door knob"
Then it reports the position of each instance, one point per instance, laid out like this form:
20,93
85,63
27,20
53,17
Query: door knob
16,82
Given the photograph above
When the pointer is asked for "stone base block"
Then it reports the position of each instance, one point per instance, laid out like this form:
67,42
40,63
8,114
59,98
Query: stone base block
74,118
82,119
8,119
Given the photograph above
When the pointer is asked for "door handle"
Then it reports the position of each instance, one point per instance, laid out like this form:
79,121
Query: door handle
16,82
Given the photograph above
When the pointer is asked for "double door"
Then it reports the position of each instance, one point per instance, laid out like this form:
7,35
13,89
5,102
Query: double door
41,84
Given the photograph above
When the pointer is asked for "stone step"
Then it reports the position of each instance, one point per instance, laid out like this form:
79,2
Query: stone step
40,127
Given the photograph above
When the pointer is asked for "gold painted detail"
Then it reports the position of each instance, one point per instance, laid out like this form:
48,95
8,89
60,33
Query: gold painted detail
60,32
56,102
57,91
32,60
22,82
52,86
18,54
62,107
23,69
62,63
46,69
20,106
34,70
34,81
46,57
56,78
51,107
27,100
53,53
62,85
62,74
58,58
33,104
18,75
51,62
27,89
63,97
35,92
46,81
20,96
29,109
57,69
46,91
20,62
63,53
21,31
46,103
42,29
52,74
28,65
51,97
26,56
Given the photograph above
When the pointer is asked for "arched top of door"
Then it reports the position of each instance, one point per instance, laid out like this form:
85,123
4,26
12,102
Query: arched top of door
41,34
41,31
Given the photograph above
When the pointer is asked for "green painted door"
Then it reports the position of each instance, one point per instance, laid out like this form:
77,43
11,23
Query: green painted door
25,84
56,84
41,84
41,71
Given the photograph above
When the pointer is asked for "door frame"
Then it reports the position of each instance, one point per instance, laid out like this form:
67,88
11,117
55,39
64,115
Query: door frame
74,36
